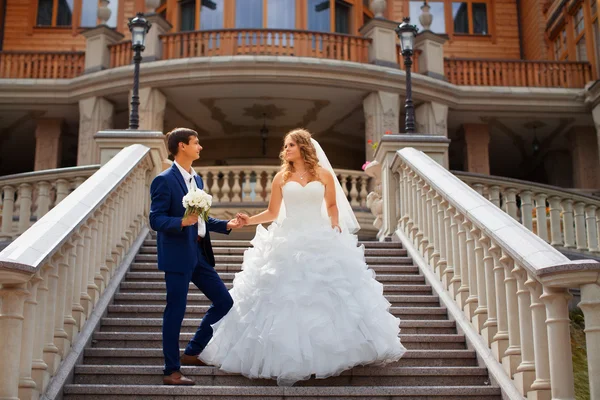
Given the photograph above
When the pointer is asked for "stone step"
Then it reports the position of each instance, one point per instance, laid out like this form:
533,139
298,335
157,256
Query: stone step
358,376
156,311
138,356
228,277
191,324
371,260
246,244
163,392
160,287
199,298
237,267
132,340
240,251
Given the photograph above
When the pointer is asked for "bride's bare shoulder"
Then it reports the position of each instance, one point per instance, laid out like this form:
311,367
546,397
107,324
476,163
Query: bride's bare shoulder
278,179
324,174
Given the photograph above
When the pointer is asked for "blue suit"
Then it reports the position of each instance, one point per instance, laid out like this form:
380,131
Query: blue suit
184,259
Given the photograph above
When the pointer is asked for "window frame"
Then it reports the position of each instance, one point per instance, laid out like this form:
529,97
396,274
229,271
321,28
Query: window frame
470,17
74,15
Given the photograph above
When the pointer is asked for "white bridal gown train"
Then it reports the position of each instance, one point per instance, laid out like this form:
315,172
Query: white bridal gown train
305,302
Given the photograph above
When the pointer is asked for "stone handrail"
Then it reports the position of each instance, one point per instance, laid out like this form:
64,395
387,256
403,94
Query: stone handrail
275,42
509,286
231,185
53,275
33,194
565,219
490,72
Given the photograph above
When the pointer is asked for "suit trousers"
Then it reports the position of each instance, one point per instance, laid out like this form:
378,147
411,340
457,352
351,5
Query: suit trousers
209,282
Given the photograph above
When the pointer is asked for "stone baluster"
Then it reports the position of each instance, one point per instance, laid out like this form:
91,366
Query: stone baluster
353,191
27,386
555,231
7,212
343,178
592,233
269,185
590,304
99,279
214,189
473,299
463,290
442,262
424,225
490,326
478,187
363,191
225,189
511,203
259,188
527,209
110,250
456,279
481,312
429,212
500,340
62,190
415,206
247,197
51,352
540,213
568,223
25,192
87,243
525,374
495,195
12,304
580,226
39,368
43,199
236,189
70,324
512,355
60,335
559,342
541,384
78,310
448,272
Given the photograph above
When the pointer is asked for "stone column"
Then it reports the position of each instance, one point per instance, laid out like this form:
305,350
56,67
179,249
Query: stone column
47,144
153,44
477,140
383,49
432,119
431,59
152,109
382,114
95,114
584,151
97,54
596,118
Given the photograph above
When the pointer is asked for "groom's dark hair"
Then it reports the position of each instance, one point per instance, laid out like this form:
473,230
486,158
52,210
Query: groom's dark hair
179,135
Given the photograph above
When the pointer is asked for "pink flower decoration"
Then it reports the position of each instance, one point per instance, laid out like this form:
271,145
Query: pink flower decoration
365,165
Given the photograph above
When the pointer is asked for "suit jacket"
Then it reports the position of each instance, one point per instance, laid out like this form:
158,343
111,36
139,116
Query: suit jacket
177,246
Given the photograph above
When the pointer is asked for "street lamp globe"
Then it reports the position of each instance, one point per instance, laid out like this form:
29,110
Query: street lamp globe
138,26
406,33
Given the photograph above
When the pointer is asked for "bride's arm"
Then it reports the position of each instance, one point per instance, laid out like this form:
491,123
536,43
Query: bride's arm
330,201
271,213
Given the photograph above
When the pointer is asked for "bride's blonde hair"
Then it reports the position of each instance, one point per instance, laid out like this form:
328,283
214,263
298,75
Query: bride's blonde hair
307,151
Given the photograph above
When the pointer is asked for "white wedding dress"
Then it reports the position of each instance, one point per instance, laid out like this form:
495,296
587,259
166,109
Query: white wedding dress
305,302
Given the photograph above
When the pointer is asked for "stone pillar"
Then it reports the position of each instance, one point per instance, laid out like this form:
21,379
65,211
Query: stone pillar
382,114
97,54
477,140
47,144
431,59
383,50
584,151
153,50
152,109
95,114
432,119
596,118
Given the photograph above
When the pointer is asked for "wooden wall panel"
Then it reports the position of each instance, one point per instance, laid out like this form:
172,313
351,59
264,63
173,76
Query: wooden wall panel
503,43
533,25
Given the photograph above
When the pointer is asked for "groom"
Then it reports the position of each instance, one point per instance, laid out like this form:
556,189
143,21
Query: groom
185,254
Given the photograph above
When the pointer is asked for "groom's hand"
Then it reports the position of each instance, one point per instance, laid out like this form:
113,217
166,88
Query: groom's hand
189,220
235,223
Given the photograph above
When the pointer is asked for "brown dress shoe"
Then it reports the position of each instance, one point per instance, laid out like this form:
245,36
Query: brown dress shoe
186,359
176,378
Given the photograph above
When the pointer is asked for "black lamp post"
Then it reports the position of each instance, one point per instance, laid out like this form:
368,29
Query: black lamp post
138,26
406,33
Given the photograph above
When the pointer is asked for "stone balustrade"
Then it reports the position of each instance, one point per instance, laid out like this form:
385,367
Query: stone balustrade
231,185
53,275
507,288
29,196
565,219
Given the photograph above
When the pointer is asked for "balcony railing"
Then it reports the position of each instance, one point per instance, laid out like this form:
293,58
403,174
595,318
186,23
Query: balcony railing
480,72
120,54
415,59
265,42
41,65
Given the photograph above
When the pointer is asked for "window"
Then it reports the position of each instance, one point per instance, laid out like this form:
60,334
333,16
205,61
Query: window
47,17
581,50
579,23
437,11
343,12
561,50
280,15
209,17
187,8
470,18
580,42
249,14
319,16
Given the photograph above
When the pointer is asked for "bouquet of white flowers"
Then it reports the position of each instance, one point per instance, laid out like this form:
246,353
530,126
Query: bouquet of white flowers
197,201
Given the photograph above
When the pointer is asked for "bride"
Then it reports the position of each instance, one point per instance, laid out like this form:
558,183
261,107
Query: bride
305,302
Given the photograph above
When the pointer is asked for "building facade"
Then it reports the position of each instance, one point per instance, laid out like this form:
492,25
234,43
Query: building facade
511,83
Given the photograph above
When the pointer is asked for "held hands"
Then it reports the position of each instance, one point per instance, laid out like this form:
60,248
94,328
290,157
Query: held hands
239,221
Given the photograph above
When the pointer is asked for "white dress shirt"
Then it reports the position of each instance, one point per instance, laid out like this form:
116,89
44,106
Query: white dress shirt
190,182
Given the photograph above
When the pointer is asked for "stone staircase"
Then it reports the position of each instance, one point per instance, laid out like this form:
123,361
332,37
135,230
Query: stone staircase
124,360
